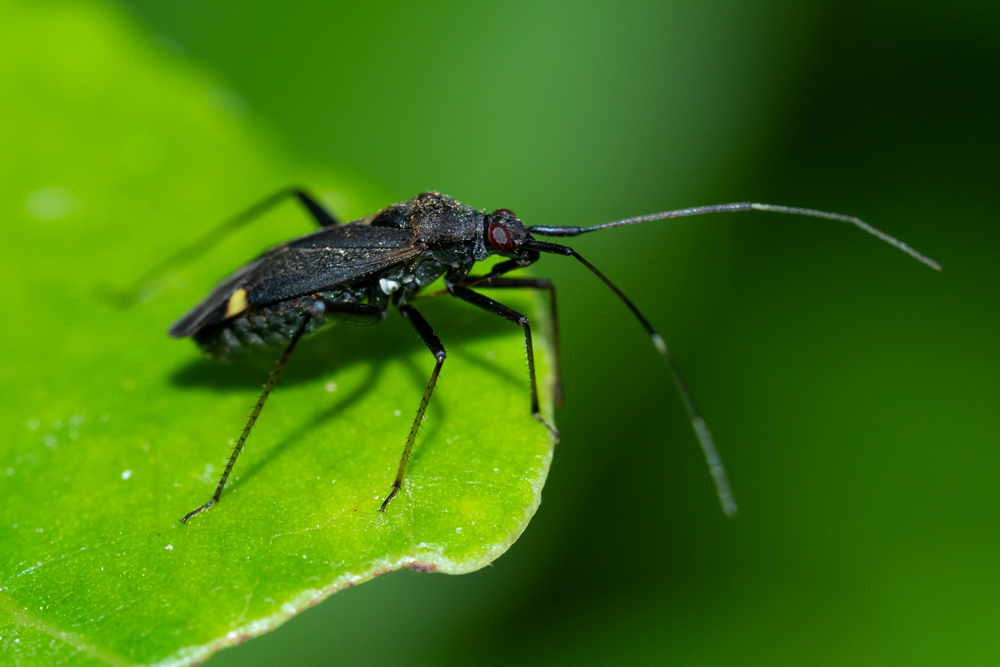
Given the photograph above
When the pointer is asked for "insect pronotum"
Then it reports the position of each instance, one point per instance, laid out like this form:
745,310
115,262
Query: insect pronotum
357,270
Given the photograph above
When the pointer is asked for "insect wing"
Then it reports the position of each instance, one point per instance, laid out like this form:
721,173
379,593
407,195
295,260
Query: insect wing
327,258
321,260
212,308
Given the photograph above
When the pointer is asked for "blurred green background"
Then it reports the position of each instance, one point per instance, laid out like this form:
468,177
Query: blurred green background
852,391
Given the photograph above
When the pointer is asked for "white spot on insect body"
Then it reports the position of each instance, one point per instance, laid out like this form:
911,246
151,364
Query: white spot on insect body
169,547
126,474
388,285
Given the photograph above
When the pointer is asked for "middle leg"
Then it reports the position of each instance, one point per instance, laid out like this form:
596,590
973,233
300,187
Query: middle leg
433,343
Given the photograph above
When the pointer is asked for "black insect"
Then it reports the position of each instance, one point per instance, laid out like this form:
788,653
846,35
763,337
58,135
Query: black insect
356,271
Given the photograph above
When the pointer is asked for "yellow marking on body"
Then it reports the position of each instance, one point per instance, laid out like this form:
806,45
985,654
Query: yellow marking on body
237,303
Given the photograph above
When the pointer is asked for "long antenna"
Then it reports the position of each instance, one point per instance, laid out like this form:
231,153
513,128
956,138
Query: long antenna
739,206
697,422
712,458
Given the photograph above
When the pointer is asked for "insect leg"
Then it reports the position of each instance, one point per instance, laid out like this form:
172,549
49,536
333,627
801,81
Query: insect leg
541,284
433,343
494,279
271,380
497,308
130,295
357,313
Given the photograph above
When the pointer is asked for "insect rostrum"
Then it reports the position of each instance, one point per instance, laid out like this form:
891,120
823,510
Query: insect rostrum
356,271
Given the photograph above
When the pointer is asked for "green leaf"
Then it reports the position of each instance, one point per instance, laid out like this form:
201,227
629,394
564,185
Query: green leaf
114,156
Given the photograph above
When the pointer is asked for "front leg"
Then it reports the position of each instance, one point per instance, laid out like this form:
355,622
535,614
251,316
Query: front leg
497,308
433,343
497,282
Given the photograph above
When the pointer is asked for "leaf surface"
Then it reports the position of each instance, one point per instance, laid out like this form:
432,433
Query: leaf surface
114,156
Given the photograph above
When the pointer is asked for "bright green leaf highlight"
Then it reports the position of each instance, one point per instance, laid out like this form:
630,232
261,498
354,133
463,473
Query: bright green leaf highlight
113,156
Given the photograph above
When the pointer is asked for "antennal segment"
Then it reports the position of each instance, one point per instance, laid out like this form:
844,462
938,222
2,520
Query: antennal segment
712,457
857,222
739,206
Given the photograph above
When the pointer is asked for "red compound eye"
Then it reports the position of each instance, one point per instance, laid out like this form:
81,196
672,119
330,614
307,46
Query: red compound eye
500,237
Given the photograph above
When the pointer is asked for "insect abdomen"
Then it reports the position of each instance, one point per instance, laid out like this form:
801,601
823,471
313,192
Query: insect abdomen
268,326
